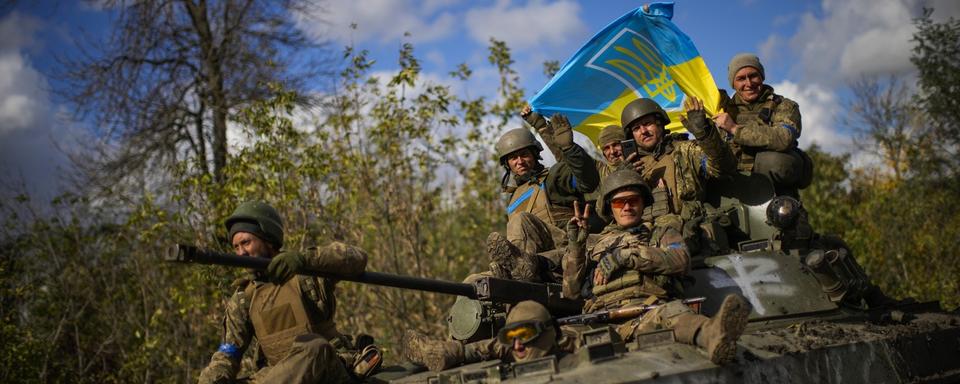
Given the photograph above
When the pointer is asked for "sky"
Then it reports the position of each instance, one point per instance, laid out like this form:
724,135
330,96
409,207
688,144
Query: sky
811,50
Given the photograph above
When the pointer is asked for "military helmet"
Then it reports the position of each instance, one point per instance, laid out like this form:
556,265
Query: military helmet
617,180
515,140
610,134
640,108
258,218
527,311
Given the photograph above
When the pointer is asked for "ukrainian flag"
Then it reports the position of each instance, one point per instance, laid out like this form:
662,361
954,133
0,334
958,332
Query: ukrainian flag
641,54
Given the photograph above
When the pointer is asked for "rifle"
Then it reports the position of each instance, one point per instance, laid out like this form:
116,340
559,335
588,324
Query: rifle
485,289
608,315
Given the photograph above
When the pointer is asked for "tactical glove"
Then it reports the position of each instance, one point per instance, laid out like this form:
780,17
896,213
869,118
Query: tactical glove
285,265
535,120
611,263
697,124
562,132
576,234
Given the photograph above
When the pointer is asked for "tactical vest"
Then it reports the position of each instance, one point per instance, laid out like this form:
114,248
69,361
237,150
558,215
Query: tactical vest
632,286
682,190
532,197
743,113
280,313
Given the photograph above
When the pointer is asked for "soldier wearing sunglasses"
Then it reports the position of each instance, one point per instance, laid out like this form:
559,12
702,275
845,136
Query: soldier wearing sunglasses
636,263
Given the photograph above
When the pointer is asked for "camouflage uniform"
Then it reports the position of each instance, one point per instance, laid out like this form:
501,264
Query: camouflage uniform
675,169
769,127
656,265
293,323
677,172
542,204
642,266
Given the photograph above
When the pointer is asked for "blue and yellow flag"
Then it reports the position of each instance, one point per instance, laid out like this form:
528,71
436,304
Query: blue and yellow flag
641,54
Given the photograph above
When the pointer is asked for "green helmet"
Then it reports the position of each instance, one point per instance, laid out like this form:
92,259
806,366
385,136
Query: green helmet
620,179
258,218
610,134
514,140
640,108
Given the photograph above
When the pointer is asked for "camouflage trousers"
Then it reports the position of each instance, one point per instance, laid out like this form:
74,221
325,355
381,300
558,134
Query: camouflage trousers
312,359
669,315
533,235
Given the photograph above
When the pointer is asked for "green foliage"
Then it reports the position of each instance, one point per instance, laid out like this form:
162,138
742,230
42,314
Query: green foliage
398,166
936,54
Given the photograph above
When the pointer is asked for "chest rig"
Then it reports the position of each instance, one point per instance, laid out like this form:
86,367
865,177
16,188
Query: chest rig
631,286
532,197
280,313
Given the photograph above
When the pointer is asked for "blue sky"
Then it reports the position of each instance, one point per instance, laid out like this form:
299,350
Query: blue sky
811,50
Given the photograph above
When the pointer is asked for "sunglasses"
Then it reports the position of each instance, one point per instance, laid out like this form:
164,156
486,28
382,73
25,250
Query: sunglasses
524,332
620,202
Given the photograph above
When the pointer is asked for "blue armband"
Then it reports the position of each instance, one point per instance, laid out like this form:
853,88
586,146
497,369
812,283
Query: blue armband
674,245
229,349
792,130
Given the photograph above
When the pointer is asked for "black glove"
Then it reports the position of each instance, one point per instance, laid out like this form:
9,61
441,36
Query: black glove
697,124
285,265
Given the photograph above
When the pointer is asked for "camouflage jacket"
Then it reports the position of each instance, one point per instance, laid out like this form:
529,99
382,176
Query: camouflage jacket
677,172
237,328
655,254
565,182
771,123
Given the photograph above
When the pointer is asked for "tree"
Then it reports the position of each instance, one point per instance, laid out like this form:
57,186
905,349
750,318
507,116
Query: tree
172,73
937,58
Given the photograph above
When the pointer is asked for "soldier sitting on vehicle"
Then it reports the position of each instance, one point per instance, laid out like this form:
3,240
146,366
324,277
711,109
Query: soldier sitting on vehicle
763,128
637,263
540,201
291,315
529,333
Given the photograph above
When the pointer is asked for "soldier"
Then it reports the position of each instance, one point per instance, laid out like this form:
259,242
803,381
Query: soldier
677,170
763,127
529,333
540,201
635,262
292,316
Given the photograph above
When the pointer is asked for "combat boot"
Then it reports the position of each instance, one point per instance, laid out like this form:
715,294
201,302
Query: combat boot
436,355
509,262
719,334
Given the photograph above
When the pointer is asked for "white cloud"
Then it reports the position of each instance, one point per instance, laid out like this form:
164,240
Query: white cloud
379,20
819,107
23,98
858,37
29,127
536,23
853,38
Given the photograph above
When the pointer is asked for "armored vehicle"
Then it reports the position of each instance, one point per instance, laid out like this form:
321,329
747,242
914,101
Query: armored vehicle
810,320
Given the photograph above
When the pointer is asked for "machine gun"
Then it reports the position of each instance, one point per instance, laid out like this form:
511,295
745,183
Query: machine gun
485,289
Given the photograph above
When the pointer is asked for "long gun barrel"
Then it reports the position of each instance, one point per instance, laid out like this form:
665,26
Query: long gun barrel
484,289
619,314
